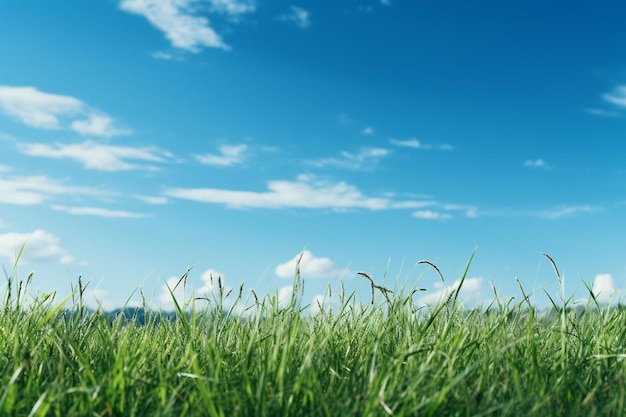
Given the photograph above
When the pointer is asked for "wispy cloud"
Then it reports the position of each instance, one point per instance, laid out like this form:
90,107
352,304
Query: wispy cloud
306,192
553,213
617,96
564,211
232,7
166,56
536,163
297,16
603,113
180,22
468,210
101,157
368,131
417,144
309,192
229,155
413,204
99,212
39,246
431,215
364,159
33,190
47,111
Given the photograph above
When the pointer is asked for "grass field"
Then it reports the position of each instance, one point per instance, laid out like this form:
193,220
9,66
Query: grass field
367,358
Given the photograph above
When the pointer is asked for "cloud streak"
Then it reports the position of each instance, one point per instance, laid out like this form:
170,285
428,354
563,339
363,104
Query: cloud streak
536,163
33,190
617,96
564,211
100,157
100,212
309,192
417,144
305,192
431,215
364,159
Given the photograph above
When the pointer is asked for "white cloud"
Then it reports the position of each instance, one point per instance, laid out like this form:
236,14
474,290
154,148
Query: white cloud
177,19
39,246
553,213
563,211
364,159
232,7
369,131
99,212
35,108
430,215
229,155
409,143
603,113
97,156
298,16
166,56
181,293
305,192
413,204
604,288
154,200
417,144
386,2
617,96
470,211
310,267
34,190
285,295
327,304
469,296
45,111
535,163
211,287
311,193
99,298
97,125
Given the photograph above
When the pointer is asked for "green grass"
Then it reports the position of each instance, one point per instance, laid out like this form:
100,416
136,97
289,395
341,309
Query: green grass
375,358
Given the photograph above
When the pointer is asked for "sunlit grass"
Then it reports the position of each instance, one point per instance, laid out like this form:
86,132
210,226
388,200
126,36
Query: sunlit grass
375,357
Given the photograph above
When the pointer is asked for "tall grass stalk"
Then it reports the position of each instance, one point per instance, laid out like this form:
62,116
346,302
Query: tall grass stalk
373,357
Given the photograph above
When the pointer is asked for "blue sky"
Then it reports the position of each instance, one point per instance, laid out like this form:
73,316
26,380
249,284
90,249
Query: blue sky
140,137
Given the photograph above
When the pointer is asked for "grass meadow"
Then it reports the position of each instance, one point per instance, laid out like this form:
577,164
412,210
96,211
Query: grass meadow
375,357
